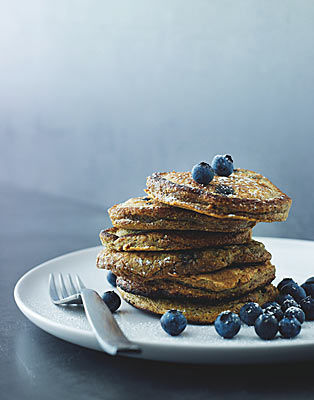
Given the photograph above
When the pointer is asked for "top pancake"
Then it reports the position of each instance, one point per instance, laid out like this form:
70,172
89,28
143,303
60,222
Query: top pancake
253,196
142,213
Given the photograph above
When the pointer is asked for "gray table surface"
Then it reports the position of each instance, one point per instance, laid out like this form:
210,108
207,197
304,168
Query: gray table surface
35,365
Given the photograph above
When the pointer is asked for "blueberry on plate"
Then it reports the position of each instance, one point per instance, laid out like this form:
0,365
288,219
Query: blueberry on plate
295,290
310,280
227,324
309,288
289,303
307,306
112,300
266,326
202,173
270,303
289,327
295,312
282,297
173,322
282,283
223,165
249,312
274,309
112,279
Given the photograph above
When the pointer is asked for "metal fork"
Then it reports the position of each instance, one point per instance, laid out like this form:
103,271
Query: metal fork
108,333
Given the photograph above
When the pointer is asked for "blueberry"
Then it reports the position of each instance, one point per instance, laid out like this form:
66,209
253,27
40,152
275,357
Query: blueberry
202,173
270,303
289,303
223,165
112,300
295,290
295,312
224,189
112,279
284,282
249,312
275,310
173,322
282,297
266,326
307,306
289,328
310,280
309,289
227,324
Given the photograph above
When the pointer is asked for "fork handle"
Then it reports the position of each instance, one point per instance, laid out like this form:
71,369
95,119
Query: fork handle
108,333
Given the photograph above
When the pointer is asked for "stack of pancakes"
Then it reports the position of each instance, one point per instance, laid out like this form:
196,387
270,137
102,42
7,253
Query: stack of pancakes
189,247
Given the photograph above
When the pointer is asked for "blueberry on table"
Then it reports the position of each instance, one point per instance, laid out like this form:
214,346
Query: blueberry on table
295,290
112,279
112,300
289,327
227,324
275,310
295,312
309,288
173,322
249,312
307,306
202,173
223,165
289,303
282,297
284,282
266,326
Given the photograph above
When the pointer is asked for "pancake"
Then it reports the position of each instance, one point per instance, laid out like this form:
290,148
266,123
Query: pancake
145,213
198,313
211,288
130,240
250,196
155,264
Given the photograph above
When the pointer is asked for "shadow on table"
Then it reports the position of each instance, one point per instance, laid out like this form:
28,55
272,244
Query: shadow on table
50,367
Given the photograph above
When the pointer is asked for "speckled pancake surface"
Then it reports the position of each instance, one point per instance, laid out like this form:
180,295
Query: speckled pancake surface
148,214
251,195
224,284
132,240
198,313
155,264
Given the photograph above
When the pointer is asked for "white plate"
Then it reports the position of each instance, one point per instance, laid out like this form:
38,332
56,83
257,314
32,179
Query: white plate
197,344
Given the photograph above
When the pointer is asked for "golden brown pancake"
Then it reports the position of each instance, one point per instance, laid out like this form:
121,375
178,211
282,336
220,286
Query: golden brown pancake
132,240
198,313
147,214
156,264
211,288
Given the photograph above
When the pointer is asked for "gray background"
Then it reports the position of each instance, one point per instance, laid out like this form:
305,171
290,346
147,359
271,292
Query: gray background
96,95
